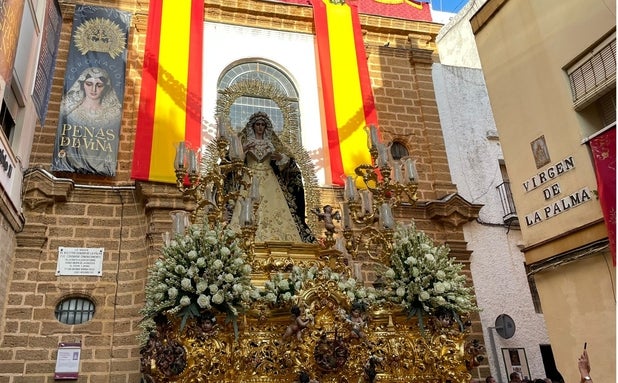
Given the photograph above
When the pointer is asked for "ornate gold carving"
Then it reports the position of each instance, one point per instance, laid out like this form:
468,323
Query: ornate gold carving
392,348
100,35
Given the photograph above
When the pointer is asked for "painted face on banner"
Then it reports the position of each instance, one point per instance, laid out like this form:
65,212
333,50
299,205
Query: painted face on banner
94,88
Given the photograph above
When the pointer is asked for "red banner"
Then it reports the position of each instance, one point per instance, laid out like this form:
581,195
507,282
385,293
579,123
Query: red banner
604,153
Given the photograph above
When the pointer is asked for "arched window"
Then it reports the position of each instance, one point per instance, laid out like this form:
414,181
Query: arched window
398,150
247,104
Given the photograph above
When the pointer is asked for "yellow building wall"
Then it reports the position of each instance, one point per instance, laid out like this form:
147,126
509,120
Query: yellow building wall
525,47
586,288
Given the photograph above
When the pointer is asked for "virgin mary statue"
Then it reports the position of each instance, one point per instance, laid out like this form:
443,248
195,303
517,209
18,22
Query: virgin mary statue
281,212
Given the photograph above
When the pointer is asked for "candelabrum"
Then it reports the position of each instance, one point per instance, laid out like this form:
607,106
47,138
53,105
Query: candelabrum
367,212
217,183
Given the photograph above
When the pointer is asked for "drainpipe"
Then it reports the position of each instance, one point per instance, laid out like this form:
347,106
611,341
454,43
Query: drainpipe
494,353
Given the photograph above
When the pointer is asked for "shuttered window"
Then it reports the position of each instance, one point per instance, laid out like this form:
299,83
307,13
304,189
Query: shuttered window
594,74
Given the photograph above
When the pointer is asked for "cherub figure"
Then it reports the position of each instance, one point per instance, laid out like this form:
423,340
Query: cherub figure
299,322
327,215
357,320
207,322
304,377
444,317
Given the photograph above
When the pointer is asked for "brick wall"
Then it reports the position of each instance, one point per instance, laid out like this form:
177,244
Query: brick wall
111,218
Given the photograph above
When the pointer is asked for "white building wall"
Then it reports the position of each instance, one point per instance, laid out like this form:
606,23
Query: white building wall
497,265
292,53
15,150
456,42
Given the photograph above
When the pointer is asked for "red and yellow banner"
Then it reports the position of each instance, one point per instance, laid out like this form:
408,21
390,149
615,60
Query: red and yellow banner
346,89
170,99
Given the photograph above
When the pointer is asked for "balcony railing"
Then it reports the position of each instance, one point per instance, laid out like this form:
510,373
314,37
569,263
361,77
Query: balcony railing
508,206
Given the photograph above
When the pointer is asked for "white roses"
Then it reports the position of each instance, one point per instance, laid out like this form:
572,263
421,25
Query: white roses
203,268
424,277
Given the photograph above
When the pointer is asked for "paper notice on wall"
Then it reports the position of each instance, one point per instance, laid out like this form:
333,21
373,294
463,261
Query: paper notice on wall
67,361
80,261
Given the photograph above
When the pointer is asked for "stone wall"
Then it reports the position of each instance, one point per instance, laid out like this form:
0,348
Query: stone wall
65,214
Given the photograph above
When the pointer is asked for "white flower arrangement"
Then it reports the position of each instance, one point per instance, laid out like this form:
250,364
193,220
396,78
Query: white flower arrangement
283,289
423,278
205,269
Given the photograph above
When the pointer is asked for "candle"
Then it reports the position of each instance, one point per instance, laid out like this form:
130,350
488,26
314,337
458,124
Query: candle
246,212
397,172
192,161
221,133
166,238
410,170
366,202
255,189
383,155
386,216
179,161
340,245
358,274
374,140
236,152
345,215
349,191
209,193
180,221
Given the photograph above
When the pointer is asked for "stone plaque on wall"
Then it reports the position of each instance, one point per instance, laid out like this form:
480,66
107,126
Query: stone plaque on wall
80,261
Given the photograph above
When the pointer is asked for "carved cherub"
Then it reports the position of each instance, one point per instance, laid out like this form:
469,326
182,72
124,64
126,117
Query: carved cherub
327,215
357,320
304,377
207,322
299,322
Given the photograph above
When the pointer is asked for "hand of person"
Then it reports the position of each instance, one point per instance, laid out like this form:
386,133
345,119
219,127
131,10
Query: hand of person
583,363
277,156
249,145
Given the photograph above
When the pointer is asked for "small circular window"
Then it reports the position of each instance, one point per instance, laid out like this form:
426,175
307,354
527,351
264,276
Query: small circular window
75,310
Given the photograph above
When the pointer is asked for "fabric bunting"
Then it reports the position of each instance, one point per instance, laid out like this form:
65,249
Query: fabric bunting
170,100
346,89
603,147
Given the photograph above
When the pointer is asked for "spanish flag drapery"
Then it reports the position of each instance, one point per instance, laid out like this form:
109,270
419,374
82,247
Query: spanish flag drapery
346,89
170,99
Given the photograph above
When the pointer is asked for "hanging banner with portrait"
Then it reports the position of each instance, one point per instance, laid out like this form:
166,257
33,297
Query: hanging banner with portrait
91,109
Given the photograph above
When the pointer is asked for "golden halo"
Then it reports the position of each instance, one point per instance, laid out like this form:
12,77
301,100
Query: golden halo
100,35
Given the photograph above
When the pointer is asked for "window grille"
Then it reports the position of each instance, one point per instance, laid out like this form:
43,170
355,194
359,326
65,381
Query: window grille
245,106
594,76
75,310
398,150
508,206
